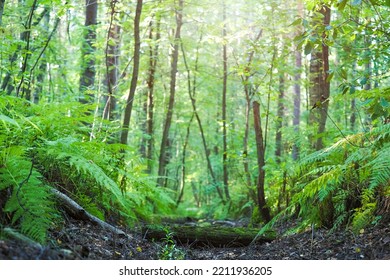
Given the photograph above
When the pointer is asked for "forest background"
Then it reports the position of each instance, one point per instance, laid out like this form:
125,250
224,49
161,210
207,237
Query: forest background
251,110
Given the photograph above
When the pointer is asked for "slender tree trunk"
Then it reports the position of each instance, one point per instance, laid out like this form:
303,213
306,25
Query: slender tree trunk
192,93
263,208
319,89
43,66
297,91
175,56
24,37
87,79
134,78
183,161
248,96
224,124
154,37
112,64
280,117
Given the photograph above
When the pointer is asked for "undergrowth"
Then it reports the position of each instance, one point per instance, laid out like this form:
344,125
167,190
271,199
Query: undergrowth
50,146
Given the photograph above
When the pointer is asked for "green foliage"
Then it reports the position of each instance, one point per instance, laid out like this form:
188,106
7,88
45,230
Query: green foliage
344,179
31,203
106,179
168,250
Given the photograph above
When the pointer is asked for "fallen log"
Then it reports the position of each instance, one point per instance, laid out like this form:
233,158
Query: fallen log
11,233
78,212
211,235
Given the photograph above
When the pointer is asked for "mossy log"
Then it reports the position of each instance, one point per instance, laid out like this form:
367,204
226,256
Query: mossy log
210,235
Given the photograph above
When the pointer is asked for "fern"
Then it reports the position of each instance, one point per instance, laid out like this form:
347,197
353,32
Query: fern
31,203
364,215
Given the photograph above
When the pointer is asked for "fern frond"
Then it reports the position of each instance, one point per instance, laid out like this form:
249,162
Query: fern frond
380,169
31,203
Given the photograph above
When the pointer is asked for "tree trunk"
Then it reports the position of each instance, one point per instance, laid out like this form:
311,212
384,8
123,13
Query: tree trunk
224,125
153,56
112,65
297,91
175,55
280,116
213,235
319,89
43,66
192,93
134,78
87,79
263,208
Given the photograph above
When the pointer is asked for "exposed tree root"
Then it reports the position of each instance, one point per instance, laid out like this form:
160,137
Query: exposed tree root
78,212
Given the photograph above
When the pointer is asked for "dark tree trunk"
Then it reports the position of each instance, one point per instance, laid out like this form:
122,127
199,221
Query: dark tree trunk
263,208
168,120
319,89
87,79
134,78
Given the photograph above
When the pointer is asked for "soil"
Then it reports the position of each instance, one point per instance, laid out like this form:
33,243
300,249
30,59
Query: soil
80,240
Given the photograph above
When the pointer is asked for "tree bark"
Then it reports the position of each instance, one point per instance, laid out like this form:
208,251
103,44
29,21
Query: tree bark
80,213
87,79
134,78
263,208
163,160
112,65
320,88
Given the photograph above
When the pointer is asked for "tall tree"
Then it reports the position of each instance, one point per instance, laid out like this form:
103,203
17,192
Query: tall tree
168,119
154,38
192,95
260,146
224,92
87,79
280,117
134,78
319,84
112,63
297,89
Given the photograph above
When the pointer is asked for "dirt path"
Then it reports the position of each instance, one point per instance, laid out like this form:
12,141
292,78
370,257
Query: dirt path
78,240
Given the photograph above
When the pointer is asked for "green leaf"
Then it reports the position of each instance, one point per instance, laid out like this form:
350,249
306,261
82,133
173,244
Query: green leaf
343,74
6,119
308,48
296,22
384,103
330,76
342,4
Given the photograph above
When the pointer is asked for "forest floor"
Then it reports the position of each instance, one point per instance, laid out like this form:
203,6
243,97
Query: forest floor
81,240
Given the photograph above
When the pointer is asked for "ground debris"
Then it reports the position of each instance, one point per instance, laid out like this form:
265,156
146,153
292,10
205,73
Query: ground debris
82,240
